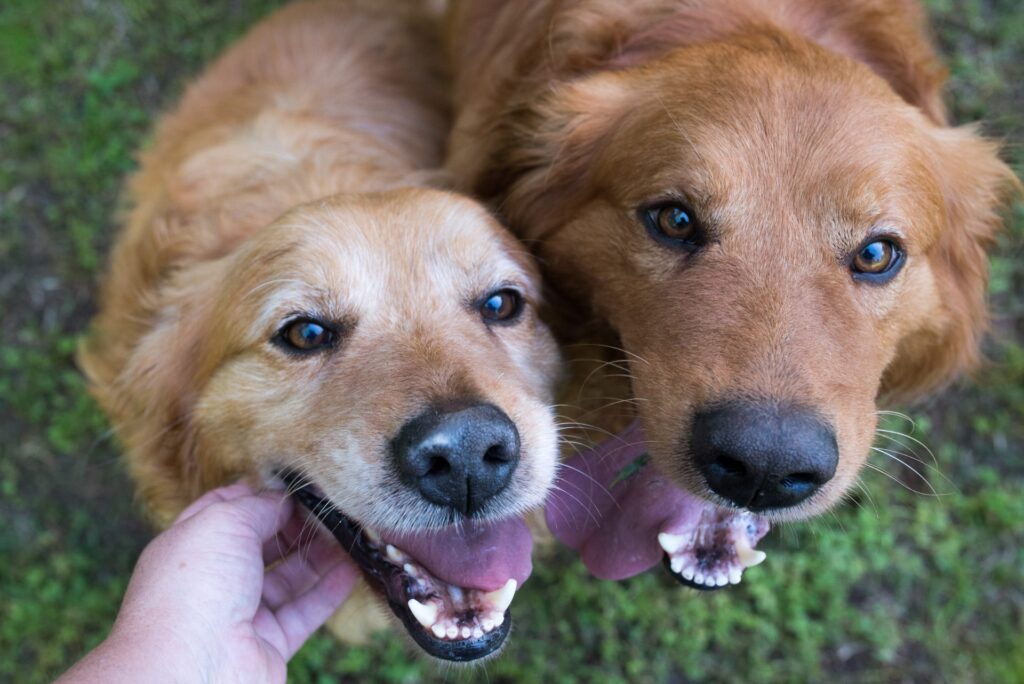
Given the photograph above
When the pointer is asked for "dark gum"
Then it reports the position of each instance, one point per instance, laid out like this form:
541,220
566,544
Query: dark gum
685,582
388,579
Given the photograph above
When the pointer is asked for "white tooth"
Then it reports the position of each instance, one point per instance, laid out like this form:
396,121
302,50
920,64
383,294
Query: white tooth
677,565
488,624
502,598
466,631
372,535
735,575
394,555
477,632
452,632
425,613
456,594
438,630
750,557
410,569
498,620
699,578
687,572
671,542
722,580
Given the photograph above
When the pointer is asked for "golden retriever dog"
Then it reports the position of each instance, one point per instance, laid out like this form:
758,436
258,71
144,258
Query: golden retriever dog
757,212
284,299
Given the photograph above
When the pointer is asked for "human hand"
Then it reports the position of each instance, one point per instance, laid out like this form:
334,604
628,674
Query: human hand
200,605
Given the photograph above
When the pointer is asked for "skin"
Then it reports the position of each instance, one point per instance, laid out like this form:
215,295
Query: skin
795,133
201,607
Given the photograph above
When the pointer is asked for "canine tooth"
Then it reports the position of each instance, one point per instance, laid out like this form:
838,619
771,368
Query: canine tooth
671,542
498,620
502,598
748,555
477,632
438,630
372,535
466,631
452,631
394,555
677,565
425,613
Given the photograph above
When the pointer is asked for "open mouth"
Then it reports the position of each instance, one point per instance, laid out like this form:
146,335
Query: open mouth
447,620
713,551
623,516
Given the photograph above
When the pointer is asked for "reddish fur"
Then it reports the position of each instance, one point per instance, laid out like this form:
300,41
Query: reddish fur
795,126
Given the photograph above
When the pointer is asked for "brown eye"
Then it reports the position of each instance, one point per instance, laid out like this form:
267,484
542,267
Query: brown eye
877,260
306,335
502,306
673,224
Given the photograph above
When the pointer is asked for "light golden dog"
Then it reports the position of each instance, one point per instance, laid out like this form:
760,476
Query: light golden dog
383,347
759,201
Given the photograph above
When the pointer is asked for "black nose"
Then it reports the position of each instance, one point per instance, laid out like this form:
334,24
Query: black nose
763,456
459,458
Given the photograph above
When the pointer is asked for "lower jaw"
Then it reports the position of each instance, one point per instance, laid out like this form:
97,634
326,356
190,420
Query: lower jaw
395,584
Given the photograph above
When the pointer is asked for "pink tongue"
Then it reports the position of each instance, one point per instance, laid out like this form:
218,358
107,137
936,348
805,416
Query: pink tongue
614,521
473,555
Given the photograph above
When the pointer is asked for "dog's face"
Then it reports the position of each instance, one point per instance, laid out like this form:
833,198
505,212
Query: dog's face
777,238
350,331
382,355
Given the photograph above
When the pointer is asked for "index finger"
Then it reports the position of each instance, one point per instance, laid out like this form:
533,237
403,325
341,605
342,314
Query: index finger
227,493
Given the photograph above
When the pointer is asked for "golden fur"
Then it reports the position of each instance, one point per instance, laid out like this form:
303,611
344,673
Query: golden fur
794,129
236,226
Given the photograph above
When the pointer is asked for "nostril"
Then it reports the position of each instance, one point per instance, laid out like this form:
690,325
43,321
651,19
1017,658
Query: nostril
724,465
800,480
496,455
439,466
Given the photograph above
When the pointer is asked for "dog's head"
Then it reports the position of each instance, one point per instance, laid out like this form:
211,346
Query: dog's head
778,239
385,349
375,343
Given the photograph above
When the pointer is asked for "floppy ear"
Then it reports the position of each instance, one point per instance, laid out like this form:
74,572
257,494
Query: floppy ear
889,36
545,149
892,38
148,387
976,185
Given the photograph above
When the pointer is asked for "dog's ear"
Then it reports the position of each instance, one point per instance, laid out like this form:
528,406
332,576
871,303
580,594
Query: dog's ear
541,165
892,38
976,185
145,376
889,36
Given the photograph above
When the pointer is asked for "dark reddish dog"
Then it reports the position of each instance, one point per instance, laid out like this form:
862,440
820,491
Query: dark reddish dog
764,205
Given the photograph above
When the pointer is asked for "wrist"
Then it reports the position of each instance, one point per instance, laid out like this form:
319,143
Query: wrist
153,654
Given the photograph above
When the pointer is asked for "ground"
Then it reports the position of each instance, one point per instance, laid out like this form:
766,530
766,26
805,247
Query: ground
913,580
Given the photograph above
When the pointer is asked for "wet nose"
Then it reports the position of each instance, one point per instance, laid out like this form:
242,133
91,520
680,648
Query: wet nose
459,458
763,456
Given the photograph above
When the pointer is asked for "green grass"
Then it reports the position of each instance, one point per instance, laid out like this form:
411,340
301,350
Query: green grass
896,586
